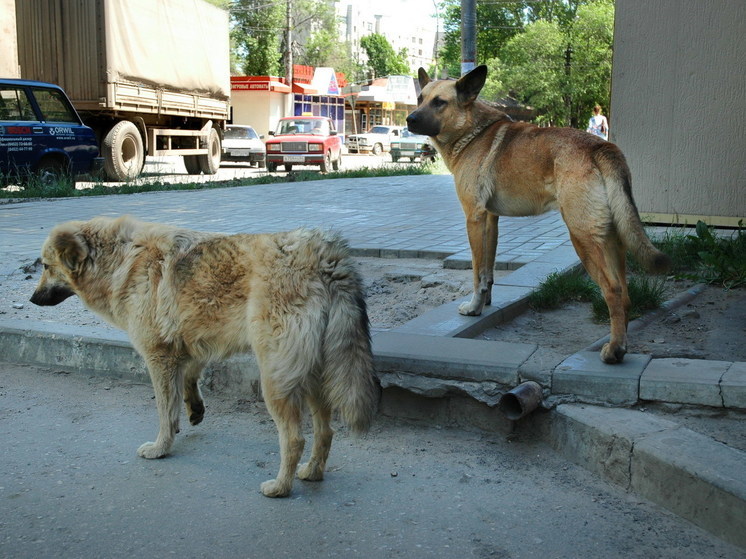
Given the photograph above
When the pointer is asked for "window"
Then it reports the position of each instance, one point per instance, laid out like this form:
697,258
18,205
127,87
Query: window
54,107
14,105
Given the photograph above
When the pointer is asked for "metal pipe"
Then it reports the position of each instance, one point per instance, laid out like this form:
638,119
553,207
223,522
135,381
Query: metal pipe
522,400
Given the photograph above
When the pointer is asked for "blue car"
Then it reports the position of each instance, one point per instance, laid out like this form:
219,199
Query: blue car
42,136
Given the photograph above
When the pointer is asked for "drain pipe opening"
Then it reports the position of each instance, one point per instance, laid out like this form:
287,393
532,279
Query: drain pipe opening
521,401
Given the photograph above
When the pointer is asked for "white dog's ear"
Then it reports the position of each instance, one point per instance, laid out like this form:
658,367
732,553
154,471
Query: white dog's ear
469,86
71,248
423,77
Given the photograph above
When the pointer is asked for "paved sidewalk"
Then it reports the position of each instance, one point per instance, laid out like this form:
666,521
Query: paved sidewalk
420,216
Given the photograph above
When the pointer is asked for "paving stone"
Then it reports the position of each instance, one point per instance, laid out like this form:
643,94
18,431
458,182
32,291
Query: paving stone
684,381
585,375
733,386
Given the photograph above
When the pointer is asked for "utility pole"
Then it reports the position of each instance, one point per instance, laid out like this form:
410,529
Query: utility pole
468,35
289,53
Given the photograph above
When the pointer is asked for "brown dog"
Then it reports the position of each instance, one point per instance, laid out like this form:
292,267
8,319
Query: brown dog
511,168
186,298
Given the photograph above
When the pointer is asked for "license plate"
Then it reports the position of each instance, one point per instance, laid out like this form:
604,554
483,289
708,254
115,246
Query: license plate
294,159
240,153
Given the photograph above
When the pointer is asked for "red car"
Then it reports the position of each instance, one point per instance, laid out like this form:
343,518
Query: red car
304,140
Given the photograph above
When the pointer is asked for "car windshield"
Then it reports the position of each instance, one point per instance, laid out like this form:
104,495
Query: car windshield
304,126
240,133
378,130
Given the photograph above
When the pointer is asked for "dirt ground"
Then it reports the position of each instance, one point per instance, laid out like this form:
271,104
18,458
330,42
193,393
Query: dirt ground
710,326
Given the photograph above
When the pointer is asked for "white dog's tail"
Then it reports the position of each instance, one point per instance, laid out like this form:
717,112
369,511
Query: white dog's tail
613,166
350,384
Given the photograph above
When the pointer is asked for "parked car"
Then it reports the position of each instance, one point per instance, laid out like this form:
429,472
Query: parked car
412,146
304,140
42,136
241,143
376,140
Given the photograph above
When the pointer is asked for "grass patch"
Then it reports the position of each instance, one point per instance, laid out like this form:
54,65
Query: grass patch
645,293
707,257
559,289
34,189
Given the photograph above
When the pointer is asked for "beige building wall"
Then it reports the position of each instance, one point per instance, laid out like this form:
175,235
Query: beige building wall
678,107
259,109
8,45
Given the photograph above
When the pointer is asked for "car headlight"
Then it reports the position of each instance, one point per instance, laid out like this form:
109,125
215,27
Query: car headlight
394,145
316,147
362,141
273,147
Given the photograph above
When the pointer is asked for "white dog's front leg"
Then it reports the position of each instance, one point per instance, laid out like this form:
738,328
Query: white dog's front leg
168,386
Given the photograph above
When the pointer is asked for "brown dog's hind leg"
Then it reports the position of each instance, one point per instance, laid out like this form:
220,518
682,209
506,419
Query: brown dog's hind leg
604,260
481,227
321,414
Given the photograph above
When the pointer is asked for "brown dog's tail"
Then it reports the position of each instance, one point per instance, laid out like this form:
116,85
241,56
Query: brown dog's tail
350,384
613,167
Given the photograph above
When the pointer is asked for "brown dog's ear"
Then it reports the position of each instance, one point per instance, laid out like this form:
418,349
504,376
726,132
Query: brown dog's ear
423,77
469,86
71,248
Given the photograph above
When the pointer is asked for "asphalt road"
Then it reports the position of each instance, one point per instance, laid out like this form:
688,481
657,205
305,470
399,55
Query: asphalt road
71,486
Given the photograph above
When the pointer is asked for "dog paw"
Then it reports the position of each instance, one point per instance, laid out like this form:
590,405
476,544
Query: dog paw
310,472
151,451
470,309
273,488
612,354
196,417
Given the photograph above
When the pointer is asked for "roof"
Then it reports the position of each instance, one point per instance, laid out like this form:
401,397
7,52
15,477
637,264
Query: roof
27,83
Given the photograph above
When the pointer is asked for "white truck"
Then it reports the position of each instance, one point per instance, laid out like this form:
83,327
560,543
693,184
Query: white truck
151,77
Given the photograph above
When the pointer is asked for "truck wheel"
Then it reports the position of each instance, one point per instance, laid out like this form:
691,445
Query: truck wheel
377,149
191,162
123,152
210,163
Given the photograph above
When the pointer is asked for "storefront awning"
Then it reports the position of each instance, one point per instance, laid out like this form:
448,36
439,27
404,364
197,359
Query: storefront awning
305,88
258,83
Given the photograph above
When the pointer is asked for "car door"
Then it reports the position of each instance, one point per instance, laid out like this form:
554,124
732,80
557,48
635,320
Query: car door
18,126
60,129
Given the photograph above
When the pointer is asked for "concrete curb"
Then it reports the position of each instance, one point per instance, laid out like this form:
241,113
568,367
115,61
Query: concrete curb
686,472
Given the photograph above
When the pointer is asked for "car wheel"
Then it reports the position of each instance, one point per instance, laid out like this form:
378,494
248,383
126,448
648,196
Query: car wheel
210,162
377,149
271,167
288,167
326,165
411,159
337,163
394,158
51,172
123,151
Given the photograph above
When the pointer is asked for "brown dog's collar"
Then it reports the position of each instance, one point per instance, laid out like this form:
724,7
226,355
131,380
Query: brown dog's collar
459,146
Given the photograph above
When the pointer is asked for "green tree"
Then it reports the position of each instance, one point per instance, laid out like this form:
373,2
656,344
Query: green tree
257,37
383,60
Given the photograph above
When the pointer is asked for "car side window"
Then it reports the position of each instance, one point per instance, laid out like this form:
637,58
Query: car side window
53,106
15,105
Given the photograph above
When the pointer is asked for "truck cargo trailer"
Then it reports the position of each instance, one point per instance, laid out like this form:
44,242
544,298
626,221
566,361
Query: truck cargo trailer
151,77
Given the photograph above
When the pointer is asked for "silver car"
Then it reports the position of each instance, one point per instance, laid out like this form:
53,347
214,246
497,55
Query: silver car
242,144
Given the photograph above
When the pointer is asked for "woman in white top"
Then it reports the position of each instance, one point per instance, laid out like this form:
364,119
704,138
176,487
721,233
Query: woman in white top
598,124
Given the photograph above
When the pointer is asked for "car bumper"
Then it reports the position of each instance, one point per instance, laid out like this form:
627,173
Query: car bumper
304,159
251,157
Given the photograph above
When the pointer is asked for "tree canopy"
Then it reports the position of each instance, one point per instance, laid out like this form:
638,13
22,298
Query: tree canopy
554,55
383,60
